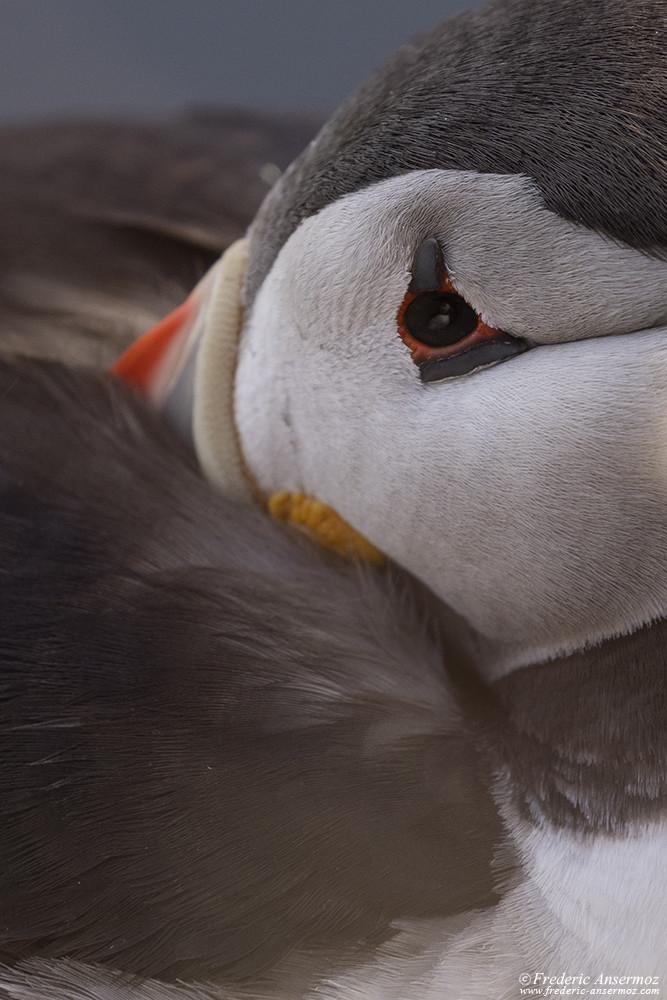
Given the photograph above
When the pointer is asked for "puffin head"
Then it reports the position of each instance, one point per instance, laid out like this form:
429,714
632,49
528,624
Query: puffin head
447,324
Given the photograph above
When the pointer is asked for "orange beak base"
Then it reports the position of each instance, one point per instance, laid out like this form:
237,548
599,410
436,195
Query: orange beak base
142,362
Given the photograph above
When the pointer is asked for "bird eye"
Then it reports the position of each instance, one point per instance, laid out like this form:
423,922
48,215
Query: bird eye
445,335
439,319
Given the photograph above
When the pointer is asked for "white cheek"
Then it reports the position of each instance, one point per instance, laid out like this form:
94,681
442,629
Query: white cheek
543,533
303,427
322,371
263,410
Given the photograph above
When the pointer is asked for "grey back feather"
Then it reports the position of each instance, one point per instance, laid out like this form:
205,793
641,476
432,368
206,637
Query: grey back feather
218,742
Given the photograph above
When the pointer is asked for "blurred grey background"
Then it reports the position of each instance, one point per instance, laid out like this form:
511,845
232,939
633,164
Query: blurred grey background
65,58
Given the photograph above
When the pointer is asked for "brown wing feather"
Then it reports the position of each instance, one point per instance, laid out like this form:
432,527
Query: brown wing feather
104,228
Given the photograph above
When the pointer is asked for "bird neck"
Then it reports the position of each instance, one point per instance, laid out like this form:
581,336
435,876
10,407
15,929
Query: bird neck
581,739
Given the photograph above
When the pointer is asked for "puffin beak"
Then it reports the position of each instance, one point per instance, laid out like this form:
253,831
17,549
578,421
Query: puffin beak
152,363
185,368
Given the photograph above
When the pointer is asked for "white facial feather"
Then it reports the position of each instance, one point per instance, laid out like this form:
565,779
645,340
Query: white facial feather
531,496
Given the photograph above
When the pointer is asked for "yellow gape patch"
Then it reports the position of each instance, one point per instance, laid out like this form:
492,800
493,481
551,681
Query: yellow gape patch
324,524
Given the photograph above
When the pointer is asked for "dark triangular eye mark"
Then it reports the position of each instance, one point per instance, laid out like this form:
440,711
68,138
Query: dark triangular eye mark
428,267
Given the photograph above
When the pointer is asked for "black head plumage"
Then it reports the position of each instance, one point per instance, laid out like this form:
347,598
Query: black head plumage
572,95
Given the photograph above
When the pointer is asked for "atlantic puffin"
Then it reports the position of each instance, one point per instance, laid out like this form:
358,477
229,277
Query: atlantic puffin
447,326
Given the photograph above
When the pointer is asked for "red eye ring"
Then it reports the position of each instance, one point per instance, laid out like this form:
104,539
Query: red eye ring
422,352
446,337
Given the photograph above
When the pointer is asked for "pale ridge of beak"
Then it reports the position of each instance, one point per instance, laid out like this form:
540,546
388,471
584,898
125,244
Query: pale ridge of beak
213,427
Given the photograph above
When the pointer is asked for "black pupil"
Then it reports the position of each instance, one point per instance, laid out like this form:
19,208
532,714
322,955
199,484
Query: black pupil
439,319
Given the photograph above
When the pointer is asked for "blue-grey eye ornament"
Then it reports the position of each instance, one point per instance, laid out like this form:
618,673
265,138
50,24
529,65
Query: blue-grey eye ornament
445,335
